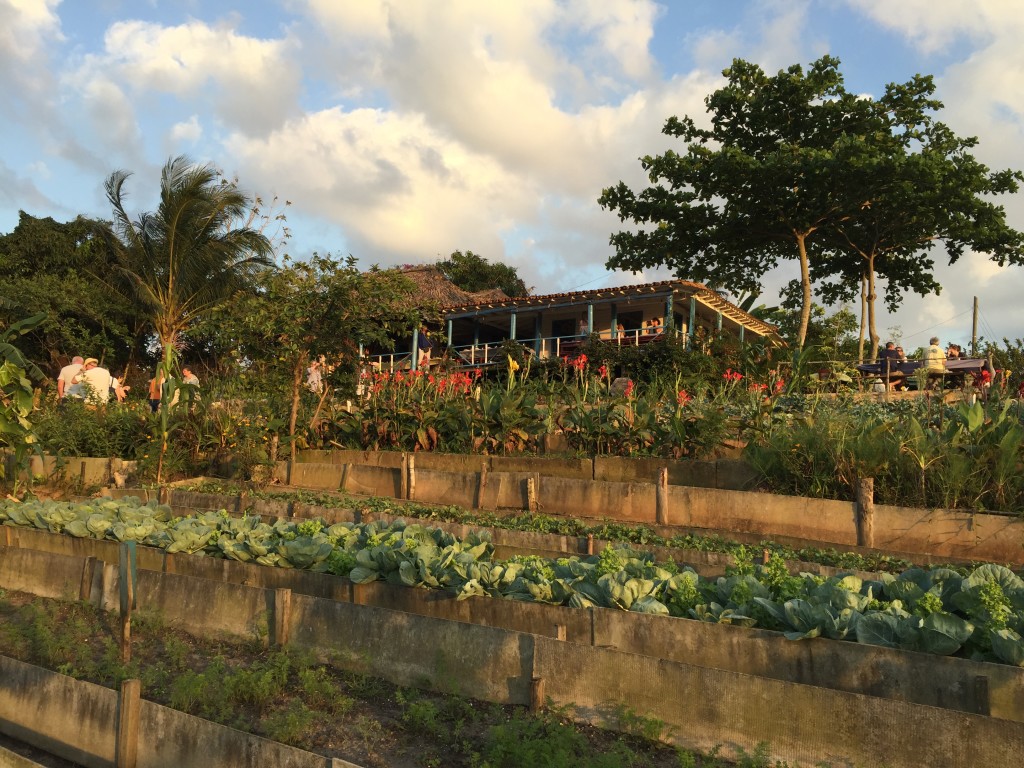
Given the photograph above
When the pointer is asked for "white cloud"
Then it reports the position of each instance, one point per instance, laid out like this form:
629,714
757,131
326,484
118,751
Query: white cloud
25,28
186,132
933,25
249,83
400,190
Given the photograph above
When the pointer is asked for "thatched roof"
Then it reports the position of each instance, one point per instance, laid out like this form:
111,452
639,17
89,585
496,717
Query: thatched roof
433,288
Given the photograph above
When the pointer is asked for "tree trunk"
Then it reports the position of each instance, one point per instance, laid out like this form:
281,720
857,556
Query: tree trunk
805,281
863,317
872,331
297,372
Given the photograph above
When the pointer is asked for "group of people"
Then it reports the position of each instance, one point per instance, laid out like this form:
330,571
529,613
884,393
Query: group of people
85,379
934,360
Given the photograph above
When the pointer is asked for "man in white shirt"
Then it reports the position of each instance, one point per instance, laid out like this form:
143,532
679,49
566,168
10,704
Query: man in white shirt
66,376
96,382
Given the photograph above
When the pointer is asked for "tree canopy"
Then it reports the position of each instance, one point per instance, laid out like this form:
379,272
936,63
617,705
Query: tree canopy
48,267
321,307
475,273
794,166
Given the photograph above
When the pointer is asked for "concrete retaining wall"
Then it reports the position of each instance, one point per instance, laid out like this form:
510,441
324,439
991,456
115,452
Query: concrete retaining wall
247,608
801,723
701,706
78,721
917,533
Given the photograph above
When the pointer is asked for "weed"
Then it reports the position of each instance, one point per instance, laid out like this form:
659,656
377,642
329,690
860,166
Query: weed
632,722
290,724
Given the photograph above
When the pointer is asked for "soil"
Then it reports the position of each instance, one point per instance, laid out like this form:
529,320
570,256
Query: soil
293,699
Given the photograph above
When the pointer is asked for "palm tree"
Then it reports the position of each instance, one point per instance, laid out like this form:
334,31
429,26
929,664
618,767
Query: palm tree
179,261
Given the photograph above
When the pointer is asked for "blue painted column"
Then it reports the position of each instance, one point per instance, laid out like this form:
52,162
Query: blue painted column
718,322
693,320
512,326
669,321
415,345
538,339
449,332
615,321
590,318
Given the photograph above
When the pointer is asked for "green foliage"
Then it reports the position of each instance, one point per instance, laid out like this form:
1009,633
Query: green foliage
50,268
794,166
935,611
474,273
17,397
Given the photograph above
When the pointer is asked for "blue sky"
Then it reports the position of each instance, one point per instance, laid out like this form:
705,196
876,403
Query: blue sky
402,131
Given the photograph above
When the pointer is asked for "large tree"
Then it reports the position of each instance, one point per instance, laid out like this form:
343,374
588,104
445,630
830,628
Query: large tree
475,273
796,167
308,309
48,267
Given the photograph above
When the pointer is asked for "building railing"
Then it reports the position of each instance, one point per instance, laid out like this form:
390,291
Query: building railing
489,353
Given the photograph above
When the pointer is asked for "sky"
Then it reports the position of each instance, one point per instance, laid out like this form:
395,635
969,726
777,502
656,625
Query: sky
399,131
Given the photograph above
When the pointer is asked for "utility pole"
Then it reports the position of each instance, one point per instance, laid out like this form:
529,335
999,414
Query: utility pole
974,329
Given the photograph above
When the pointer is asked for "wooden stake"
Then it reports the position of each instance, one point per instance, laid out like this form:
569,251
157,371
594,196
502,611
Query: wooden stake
412,476
866,512
661,497
536,694
129,700
282,616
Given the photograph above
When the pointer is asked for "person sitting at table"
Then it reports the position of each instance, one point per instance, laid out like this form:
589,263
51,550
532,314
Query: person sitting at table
889,360
934,358
901,355
953,352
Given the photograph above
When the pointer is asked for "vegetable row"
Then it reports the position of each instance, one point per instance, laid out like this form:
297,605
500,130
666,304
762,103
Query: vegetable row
980,615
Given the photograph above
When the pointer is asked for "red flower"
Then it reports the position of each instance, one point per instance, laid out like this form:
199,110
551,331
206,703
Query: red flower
779,386
731,375
602,371
682,398
629,388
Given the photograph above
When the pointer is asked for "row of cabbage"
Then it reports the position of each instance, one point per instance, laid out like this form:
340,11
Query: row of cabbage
979,615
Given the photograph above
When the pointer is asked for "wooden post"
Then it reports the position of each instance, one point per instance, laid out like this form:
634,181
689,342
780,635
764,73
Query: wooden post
531,495
129,700
7,535
661,497
412,477
866,512
560,632
81,477
127,573
481,486
403,479
590,543
344,477
536,694
88,572
282,616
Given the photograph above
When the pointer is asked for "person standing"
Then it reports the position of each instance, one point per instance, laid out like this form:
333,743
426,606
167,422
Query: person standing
96,382
424,345
65,379
156,385
188,377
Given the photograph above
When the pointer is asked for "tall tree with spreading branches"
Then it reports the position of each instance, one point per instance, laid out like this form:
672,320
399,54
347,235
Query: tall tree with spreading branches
796,167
